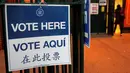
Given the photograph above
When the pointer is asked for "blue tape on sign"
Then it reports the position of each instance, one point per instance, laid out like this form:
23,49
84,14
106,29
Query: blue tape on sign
32,21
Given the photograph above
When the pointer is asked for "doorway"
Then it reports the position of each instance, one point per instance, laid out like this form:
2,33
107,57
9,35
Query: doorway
125,4
117,2
111,8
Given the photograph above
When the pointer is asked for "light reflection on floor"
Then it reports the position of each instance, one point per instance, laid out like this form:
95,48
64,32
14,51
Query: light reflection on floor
108,55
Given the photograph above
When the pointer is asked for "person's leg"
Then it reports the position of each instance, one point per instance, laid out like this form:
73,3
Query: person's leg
121,28
115,28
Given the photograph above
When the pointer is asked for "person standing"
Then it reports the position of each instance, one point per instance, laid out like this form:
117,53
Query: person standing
119,15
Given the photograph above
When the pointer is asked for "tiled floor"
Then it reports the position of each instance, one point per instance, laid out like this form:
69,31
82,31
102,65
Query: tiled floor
106,55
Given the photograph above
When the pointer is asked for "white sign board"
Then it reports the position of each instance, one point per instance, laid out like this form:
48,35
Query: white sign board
37,36
94,9
102,2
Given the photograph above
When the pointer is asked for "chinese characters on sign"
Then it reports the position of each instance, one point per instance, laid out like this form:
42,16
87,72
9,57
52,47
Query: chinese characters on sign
45,57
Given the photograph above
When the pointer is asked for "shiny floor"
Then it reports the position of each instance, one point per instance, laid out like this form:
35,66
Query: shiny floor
106,55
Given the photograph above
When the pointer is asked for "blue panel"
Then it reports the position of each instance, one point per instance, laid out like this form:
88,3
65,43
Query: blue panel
19,16
87,22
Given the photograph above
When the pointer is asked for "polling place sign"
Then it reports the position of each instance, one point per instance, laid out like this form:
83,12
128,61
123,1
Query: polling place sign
87,22
37,35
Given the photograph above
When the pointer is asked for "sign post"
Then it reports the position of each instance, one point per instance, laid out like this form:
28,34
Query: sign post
37,35
87,22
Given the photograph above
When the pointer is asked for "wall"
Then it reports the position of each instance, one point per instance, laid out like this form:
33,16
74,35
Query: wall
98,22
94,20
127,14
